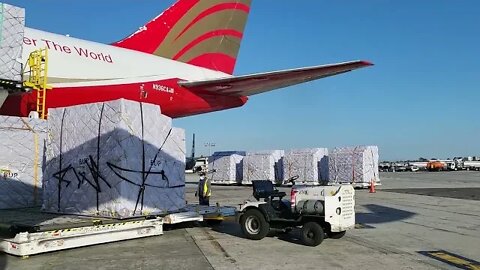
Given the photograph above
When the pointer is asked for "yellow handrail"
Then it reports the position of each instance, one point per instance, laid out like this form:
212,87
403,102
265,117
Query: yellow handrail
37,65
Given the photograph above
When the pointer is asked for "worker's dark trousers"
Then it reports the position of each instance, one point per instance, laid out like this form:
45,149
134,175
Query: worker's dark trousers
204,200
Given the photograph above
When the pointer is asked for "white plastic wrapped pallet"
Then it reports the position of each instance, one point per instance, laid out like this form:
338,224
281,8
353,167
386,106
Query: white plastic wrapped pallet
22,146
357,165
12,20
258,167
114,159
227,167
311,165
278,159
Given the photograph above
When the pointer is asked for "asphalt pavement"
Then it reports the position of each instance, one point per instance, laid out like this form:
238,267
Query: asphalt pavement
413,221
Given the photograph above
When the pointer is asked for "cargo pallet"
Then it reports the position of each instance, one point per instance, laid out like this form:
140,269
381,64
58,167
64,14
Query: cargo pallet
28,231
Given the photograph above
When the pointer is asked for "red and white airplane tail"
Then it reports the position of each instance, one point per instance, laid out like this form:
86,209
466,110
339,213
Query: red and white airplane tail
202,33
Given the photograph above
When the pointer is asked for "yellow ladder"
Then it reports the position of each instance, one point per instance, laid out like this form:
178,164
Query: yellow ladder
37,65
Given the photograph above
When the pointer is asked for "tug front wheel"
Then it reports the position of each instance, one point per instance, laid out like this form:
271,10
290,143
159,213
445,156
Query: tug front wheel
254,226
312,234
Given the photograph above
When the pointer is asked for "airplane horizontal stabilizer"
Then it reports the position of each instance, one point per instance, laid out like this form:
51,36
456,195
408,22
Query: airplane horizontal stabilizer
249,85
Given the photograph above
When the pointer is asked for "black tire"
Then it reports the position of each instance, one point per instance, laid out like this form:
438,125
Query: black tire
336,235
312,234
254,226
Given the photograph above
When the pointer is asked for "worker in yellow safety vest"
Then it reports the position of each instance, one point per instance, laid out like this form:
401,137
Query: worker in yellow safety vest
204,190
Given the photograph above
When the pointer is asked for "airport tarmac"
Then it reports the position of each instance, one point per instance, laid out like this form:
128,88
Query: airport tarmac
409,223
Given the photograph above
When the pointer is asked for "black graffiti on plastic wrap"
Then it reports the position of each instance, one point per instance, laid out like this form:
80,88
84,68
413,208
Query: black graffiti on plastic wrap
81,177
118,170
60,175
95,172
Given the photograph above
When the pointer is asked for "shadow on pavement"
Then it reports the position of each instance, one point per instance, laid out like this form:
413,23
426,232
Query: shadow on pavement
3,260
381,214
377,214
291,237
230,228
233,229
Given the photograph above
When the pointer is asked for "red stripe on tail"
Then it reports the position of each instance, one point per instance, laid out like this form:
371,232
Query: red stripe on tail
148,37
189,23
214,9
216,33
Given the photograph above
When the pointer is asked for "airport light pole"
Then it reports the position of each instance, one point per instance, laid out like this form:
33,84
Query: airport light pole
210,145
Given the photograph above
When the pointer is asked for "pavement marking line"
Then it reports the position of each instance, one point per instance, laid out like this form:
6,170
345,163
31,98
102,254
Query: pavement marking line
361,241
363,226
217,245
452,259
434,228
199,248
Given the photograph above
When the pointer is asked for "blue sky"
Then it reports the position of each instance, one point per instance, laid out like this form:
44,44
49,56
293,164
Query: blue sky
420,99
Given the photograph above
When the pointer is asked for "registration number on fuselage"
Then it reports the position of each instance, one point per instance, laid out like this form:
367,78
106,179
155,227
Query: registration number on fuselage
163,88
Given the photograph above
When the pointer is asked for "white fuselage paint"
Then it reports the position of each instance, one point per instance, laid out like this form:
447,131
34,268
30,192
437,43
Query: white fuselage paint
76,62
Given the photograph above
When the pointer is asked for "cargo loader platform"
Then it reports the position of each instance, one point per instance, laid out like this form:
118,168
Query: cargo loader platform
28,231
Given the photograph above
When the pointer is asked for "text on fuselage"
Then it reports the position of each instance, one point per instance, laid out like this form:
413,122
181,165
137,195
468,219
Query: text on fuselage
80,51
163,88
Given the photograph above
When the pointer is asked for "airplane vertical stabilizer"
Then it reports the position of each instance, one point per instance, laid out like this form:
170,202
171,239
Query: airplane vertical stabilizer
205,33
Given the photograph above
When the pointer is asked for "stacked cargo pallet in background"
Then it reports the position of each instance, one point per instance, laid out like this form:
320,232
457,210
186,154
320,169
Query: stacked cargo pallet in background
278,160
258,167
115,159
227,167
311,165
12,28
22,142
12,20
354,165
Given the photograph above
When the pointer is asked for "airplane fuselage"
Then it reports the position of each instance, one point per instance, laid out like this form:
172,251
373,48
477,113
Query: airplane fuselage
82,72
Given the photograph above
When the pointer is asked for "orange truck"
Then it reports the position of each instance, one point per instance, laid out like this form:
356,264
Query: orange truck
436,165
